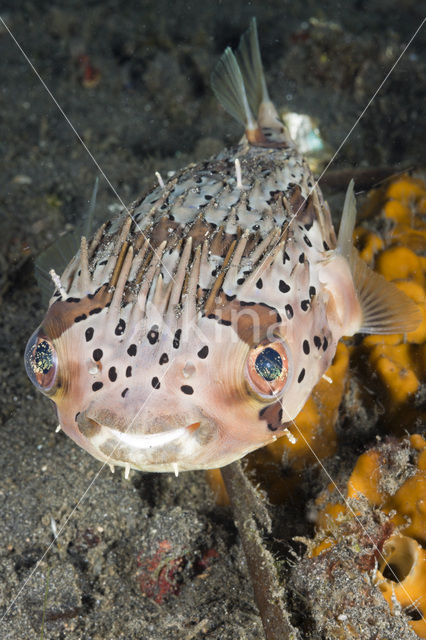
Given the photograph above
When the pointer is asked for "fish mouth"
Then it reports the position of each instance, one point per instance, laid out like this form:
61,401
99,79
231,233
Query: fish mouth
152,440
96,432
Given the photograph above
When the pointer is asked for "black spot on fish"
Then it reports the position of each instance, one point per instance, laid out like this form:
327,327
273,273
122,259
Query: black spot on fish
96,386
94,311
128,371
72,300
285,257
187,389
308,226
312,291
307,241
305,305
155,382
80,318
124,392
153,335
306,348
317,342
325,344
302,258
226,323
203,352
289,311
241,281
97,354
259,283
325,245
164,358
301,376
176,339
89,333
112,374
120,328
283,287
132,350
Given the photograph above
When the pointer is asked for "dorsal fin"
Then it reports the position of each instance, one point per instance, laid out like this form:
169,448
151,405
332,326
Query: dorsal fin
239,84
385,308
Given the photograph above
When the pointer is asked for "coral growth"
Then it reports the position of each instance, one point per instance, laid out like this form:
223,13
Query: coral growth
389,482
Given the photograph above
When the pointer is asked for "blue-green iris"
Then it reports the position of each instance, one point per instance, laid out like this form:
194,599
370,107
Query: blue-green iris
269,364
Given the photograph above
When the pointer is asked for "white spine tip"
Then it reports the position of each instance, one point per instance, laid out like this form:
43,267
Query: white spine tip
175,469
126,471
112,468
238,174
290,436
58,428
57,282
160,179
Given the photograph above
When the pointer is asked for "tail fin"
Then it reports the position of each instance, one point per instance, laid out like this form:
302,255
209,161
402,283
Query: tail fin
228,85
239,84
250,63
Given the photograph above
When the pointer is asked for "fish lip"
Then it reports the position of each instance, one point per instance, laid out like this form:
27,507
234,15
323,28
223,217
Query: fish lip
152,440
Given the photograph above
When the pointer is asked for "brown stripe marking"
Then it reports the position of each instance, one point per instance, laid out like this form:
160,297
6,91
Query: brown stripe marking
251,321
61,315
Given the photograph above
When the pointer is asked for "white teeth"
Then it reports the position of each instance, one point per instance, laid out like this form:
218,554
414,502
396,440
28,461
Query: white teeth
112,468
58,428
175,468
150,441
126,471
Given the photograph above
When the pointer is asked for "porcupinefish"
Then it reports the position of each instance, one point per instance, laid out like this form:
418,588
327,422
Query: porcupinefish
191,329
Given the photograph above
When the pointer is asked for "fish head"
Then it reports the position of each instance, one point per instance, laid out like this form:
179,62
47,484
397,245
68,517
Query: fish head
169,393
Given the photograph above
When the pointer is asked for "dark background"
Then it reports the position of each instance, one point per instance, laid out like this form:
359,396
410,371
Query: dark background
152,109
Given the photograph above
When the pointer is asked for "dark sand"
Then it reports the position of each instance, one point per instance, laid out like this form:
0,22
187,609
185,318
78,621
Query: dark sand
152,110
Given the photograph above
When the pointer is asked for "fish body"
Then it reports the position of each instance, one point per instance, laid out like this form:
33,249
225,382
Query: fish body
192,328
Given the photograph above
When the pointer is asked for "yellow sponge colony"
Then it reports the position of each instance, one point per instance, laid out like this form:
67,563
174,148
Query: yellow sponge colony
399,360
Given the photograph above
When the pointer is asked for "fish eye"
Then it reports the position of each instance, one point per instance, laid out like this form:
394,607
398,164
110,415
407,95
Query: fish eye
41,361
267,369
